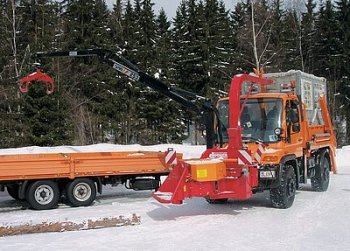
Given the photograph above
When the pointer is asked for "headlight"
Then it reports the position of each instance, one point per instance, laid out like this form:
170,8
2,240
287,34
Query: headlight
278,131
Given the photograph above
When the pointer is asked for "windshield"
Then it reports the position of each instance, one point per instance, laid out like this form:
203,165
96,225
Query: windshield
258,120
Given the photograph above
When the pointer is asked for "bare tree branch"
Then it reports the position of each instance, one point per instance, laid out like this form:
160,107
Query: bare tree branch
274,54
262,26
266,45
255,49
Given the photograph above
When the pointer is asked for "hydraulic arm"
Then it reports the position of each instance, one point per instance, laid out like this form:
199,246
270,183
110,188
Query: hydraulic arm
200,105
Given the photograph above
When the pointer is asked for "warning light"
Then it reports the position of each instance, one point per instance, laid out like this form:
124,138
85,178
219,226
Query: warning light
289,87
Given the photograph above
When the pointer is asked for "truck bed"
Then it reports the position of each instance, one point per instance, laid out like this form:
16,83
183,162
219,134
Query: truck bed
72,165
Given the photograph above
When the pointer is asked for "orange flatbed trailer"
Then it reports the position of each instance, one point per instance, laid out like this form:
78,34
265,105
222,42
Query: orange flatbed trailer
73,165
79,174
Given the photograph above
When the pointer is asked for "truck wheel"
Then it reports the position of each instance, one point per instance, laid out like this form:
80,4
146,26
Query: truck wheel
283,196
43,194
13,191
216,201
320,181
81,192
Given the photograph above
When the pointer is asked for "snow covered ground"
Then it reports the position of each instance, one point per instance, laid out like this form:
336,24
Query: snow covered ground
316,221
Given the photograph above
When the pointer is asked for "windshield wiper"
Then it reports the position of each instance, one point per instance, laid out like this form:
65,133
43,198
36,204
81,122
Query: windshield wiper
252,139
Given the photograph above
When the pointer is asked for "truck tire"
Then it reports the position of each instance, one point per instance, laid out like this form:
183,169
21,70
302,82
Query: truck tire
283,196
81,192
43,194
216,201
320,181
12,190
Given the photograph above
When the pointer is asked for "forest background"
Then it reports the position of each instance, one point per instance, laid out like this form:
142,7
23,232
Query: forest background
199,50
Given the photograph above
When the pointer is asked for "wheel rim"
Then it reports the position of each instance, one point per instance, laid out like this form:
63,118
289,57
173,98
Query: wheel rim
44,194
290,188
82,192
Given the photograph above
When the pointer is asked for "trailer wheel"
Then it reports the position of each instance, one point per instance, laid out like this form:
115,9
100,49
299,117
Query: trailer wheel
81,192
43,194
13,191
320,181
216,201
283,196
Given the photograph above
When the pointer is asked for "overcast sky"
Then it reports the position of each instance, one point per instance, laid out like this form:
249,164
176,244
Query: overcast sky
170,6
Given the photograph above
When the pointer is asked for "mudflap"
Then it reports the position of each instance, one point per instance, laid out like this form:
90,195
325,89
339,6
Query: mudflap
173,189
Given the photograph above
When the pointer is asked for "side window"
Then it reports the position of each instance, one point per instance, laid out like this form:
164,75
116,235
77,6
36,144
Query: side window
294,116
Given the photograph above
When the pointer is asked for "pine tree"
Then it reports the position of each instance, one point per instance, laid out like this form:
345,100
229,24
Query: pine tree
178,42
171,126
307,36
327,65
238,23
276,45
188,61
163,47
342,58
291,33
153,119
9,123
327,45
115,24
88,83
218,48
45,115
47,118
128,117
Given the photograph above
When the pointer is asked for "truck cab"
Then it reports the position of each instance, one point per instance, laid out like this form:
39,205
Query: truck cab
273,120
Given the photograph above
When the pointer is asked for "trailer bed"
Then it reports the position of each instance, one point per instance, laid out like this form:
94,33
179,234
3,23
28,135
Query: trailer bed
72,165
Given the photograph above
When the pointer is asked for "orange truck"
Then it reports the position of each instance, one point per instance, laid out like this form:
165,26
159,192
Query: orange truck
42,179
275,133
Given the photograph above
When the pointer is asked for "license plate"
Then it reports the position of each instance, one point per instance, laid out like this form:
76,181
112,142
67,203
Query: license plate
267,174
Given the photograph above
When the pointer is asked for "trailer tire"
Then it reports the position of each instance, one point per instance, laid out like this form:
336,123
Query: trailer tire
216,201
13,190
283,196
81,192
320,181
43,194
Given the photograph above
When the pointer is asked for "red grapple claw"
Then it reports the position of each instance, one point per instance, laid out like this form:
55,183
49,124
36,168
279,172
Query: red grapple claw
37,76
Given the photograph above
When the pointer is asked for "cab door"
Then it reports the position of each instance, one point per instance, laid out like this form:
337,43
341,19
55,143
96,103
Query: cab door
293,122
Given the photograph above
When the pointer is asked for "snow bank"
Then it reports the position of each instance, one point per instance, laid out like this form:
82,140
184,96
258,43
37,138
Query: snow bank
343,156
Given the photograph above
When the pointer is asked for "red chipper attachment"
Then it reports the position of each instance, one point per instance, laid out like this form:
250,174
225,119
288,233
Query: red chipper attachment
37,76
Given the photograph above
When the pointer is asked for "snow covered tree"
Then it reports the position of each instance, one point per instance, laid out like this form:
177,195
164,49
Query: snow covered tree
340,56
88,84
238,22
291,42
276,45
218,48
307,36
